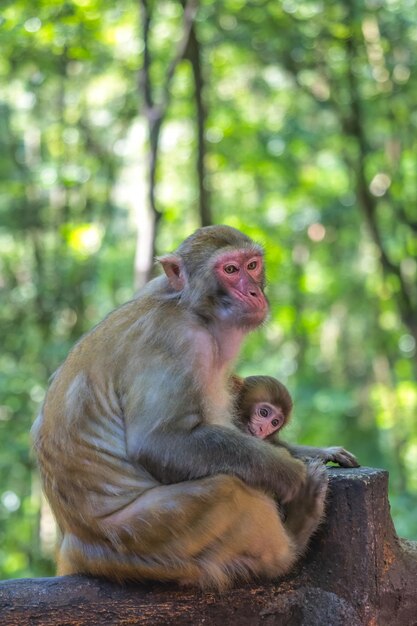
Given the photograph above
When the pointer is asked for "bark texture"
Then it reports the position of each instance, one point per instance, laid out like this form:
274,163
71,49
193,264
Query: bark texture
356,573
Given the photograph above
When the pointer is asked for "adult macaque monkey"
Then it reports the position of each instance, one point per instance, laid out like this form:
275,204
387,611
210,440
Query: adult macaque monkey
144,469
263,408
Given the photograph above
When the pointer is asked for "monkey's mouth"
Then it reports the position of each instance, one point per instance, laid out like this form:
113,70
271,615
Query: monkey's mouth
254,301
246,319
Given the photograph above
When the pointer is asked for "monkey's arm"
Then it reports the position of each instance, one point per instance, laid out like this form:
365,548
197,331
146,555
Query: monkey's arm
336,454
236,384
178,453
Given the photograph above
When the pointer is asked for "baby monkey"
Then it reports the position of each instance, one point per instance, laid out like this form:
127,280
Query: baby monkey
263,407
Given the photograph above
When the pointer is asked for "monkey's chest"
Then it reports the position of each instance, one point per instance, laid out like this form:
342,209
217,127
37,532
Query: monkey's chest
217,406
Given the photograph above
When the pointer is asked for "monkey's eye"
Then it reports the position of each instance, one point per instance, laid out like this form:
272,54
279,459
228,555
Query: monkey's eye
275,423
263,412
252,265
230,269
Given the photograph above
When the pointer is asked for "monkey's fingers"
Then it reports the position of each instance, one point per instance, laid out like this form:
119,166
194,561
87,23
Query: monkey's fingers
291,481
343,457
349,461
317,477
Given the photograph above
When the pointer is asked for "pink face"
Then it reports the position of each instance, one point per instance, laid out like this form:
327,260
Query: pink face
241,273
265,419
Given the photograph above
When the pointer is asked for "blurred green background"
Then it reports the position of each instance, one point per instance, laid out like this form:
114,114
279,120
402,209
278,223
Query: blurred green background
306,140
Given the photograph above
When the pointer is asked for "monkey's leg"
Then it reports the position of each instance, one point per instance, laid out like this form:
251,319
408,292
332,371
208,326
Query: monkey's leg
305,513
206,532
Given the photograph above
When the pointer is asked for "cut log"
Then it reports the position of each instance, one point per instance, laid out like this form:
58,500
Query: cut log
357,573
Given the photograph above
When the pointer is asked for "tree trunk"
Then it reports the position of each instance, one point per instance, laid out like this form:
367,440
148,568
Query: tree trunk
194,56
357,573
155,113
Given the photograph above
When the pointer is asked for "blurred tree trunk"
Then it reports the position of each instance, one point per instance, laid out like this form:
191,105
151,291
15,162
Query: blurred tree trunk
155,113
194,56
354,124
347,100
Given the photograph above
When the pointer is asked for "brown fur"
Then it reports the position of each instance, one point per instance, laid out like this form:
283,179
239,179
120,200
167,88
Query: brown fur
144,469
252,389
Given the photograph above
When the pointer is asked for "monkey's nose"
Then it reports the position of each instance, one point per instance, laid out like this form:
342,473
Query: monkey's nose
256,298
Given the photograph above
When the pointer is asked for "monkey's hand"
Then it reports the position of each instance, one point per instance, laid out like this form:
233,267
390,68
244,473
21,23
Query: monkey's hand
309,503
339,455
292,476
335,454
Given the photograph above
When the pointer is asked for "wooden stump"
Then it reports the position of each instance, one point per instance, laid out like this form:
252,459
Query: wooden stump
357,572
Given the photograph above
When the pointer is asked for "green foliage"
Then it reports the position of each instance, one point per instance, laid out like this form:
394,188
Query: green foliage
302,102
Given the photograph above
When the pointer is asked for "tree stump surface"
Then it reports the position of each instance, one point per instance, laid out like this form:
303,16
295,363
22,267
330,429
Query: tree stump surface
357,572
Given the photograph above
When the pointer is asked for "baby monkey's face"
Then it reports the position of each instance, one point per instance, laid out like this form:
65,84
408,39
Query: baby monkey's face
265,419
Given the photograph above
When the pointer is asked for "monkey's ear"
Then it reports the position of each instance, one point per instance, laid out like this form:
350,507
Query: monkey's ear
174,270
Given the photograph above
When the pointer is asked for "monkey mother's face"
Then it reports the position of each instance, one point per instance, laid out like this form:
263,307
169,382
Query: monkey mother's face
241,276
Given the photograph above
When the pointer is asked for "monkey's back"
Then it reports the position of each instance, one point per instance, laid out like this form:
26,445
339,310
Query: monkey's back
80,434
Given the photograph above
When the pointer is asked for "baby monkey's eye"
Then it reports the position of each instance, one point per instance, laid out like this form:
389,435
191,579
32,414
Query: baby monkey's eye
252,265
263,412
275,423
230,269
